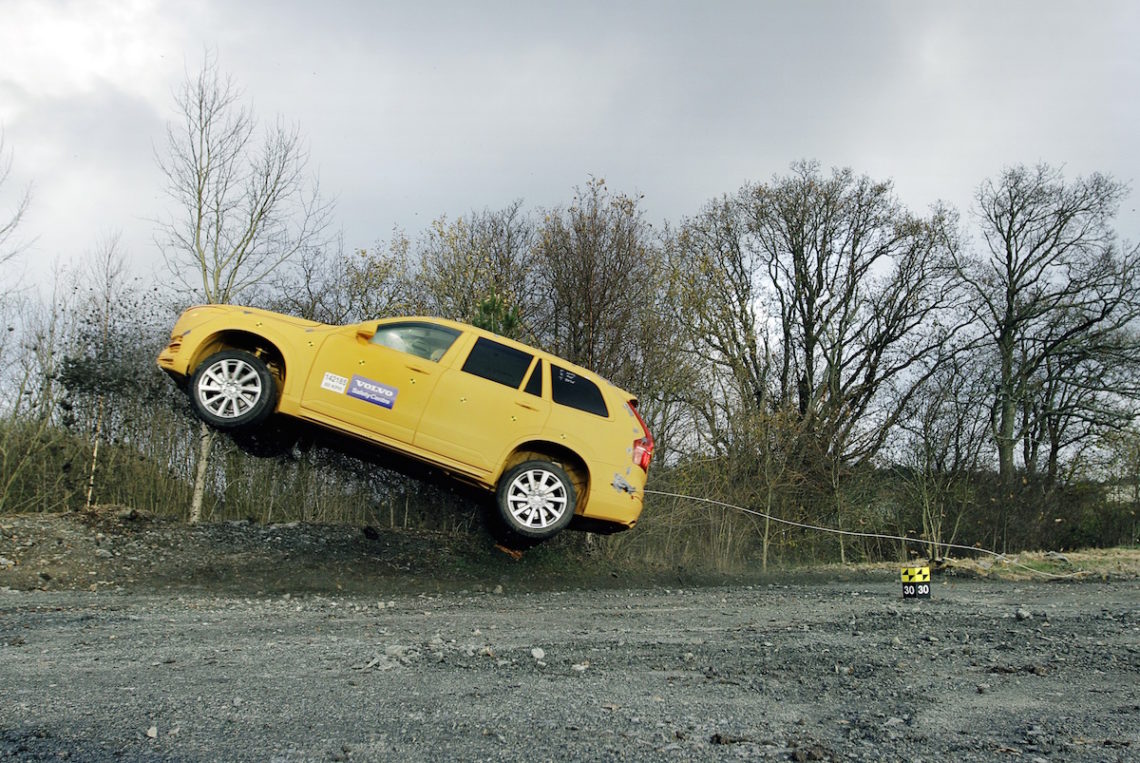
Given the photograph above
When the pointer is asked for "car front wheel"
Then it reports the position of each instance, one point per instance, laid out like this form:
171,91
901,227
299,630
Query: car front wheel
536,499
233,389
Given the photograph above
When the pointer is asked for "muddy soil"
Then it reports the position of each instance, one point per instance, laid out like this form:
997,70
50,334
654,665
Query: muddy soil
394,646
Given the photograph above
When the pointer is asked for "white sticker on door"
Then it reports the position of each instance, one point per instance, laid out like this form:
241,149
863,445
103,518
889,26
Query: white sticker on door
334,382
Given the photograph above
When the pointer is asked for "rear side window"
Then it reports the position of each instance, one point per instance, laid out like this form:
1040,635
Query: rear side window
497,362
570,389
534,385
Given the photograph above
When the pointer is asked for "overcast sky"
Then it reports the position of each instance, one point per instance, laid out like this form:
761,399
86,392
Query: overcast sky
413,110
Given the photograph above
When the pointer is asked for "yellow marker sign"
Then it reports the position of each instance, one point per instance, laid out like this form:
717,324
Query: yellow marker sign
916,582
916,574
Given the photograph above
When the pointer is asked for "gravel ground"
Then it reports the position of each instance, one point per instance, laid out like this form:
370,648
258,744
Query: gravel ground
824,670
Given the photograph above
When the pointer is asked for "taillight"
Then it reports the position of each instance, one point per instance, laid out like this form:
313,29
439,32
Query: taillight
642,446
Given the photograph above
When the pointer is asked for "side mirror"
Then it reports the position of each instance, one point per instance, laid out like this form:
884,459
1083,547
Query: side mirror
366,332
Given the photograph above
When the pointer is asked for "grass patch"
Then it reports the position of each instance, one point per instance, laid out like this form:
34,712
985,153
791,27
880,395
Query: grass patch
1086,564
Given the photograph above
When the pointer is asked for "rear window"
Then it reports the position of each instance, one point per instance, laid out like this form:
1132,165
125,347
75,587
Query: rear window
570,389
497,362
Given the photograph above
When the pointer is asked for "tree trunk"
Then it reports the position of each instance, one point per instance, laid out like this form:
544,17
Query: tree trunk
205,447
1007,416
94,454
764,553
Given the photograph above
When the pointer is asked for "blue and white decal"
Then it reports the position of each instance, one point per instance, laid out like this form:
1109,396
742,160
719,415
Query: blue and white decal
372,392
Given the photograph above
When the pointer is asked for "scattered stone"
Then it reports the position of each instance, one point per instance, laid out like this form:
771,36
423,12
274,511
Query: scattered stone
815,752
5,563
399,652
1023,614
152,732
538,653
719,738
381,662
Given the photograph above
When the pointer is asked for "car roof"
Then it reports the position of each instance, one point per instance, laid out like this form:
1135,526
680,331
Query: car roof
467,327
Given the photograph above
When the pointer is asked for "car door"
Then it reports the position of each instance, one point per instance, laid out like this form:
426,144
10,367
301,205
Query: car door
485,404
378,379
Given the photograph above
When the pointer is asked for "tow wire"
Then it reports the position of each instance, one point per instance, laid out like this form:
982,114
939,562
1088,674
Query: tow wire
856,534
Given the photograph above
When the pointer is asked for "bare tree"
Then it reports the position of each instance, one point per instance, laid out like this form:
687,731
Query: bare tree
822,296
28,431
1057,301
939,449
107,274
718,277
861,298
243,206
337,286
485,255
597,266
603,299
9,247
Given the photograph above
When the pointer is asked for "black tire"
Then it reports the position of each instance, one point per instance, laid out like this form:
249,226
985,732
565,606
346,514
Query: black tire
233,389
535,499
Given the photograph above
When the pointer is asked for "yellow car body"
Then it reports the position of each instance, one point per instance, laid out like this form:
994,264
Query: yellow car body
471,403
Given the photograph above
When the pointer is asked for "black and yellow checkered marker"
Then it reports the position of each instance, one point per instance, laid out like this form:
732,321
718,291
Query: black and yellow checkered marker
916,582
916,574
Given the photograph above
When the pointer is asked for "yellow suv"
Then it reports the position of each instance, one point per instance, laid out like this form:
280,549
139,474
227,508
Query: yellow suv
551,440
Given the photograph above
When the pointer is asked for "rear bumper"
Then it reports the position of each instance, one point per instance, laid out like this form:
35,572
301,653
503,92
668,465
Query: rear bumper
618,501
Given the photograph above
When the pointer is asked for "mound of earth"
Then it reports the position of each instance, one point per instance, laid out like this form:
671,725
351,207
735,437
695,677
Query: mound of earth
121,549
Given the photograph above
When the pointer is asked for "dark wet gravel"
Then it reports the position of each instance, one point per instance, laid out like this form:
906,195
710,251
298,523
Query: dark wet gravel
983,671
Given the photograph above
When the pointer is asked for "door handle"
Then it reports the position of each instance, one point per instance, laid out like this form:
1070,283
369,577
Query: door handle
529,407
417,369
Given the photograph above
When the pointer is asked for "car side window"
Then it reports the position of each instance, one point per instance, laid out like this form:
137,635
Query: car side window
498,362
534,384
424,340
570,389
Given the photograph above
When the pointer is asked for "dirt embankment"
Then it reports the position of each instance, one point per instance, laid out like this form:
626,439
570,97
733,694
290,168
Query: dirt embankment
118,549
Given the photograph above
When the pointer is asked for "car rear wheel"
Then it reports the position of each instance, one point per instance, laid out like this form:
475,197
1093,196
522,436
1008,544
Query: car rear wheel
536,499
233,389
